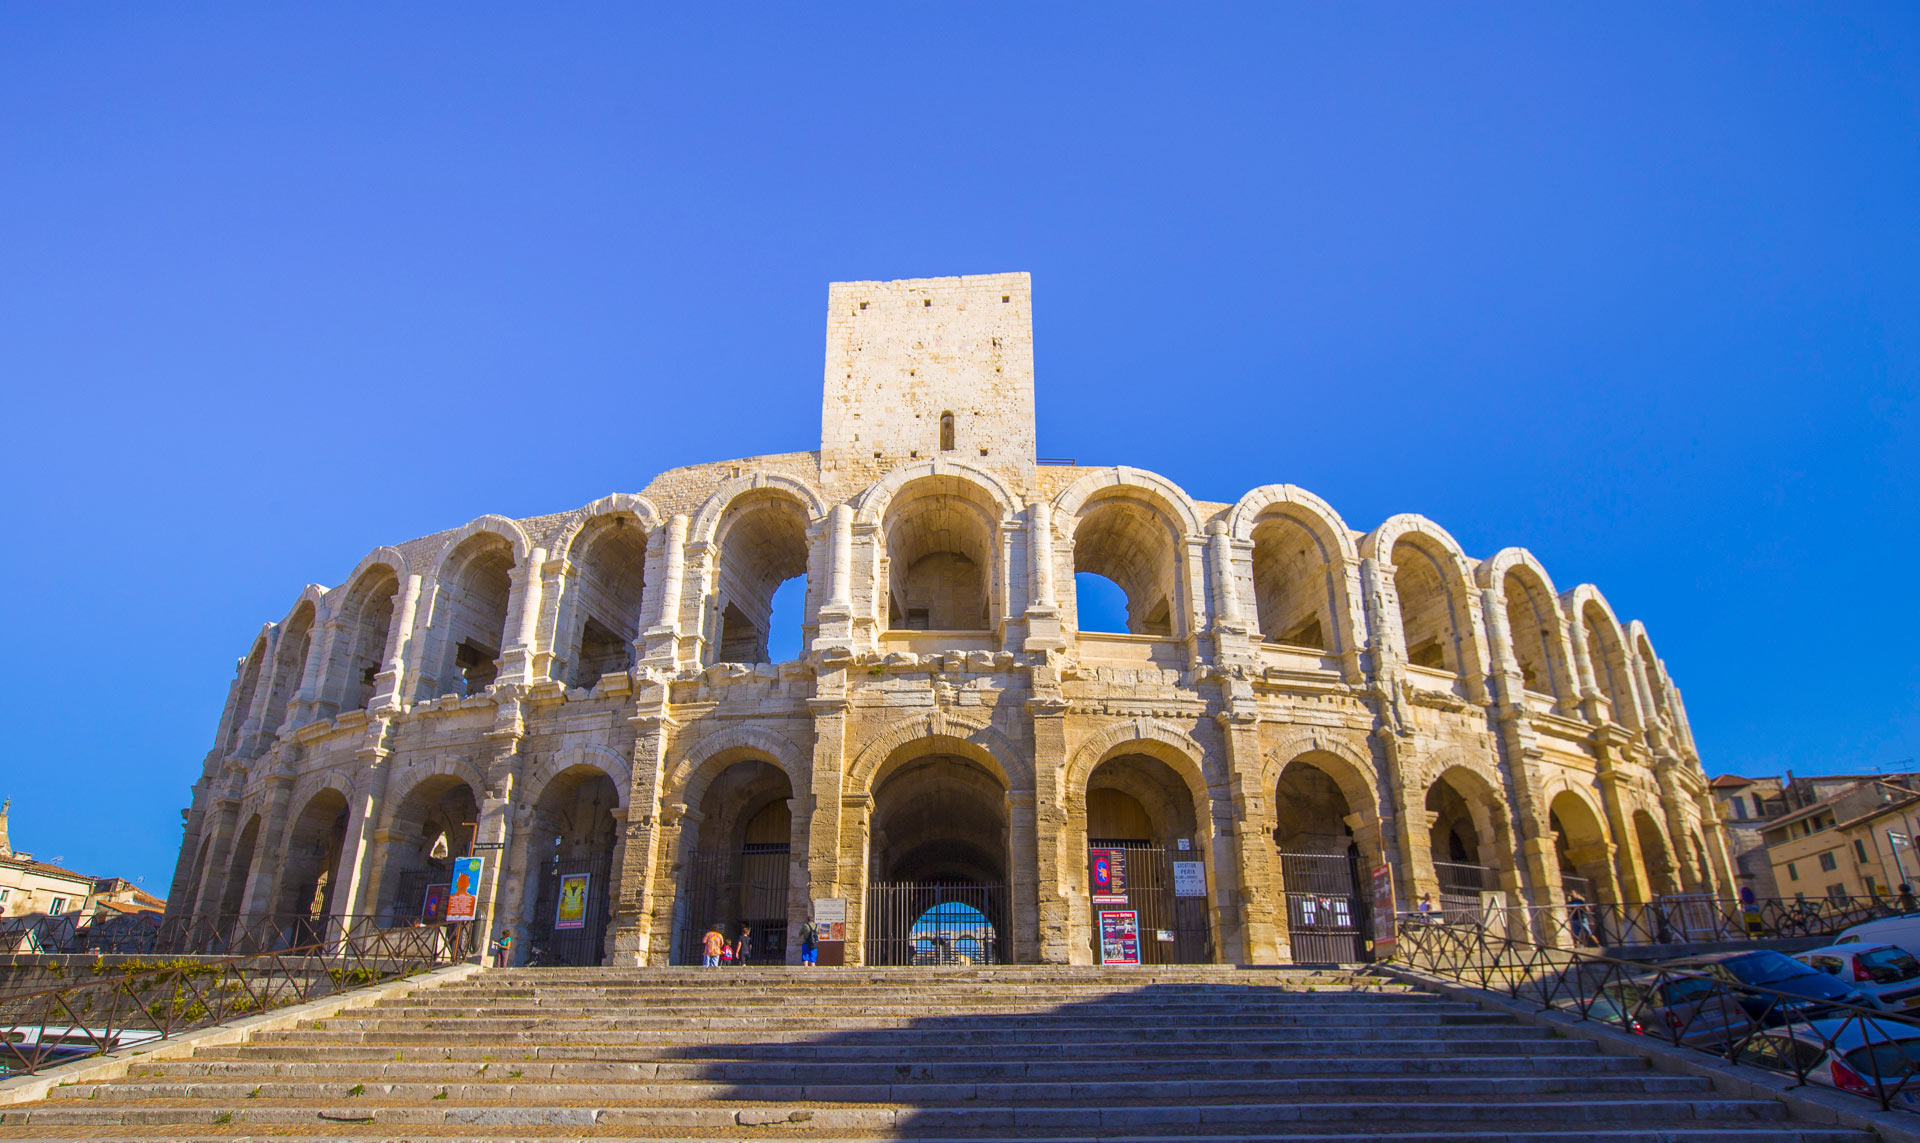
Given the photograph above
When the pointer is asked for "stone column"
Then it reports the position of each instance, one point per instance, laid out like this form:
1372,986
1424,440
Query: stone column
831,870
1629,869
213,878
1043,612
1263,898
362,852
269,852
1060,859
309,704
391,683
495,826
523,620
632,933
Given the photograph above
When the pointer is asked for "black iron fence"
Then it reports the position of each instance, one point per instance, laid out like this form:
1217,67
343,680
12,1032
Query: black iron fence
250,934
1698,918
1829,1043
143,1002
930,923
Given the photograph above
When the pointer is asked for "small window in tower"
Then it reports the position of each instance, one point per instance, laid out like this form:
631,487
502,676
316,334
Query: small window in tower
946,432
863,305
1006,297
928,302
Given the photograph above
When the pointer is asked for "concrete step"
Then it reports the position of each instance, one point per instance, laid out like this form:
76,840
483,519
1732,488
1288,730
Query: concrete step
338,1132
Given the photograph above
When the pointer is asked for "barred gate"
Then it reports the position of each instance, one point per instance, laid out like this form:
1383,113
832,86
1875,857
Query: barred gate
1328,920
1173,929
1460,889
731,888
583,946
930,923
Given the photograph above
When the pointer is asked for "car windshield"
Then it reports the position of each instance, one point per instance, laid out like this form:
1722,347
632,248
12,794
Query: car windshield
1888,966
1767,968
1889,1061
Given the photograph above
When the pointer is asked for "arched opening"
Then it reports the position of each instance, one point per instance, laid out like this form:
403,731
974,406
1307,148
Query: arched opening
475,584
1141,822
1581,857
1321,866
308,879
1530,623
1608,659
1464,845
570,866
361,647
239,869
1292,584
941,535
946,432
738,875
1702,868
763,550
430,827
1130,543
1654,855
609,577
249,685
1429,615
189,904
938,839
289,665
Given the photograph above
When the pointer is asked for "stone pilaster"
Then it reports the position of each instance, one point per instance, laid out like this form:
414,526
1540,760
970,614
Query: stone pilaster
633,934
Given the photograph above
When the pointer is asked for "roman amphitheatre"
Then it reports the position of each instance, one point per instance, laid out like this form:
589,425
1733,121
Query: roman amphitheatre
1293,704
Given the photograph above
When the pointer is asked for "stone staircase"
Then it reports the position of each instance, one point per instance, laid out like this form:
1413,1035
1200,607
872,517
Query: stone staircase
981,1054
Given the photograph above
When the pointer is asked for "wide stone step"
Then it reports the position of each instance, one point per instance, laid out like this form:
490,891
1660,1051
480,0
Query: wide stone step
334,1132
812,1119
1511,1041
477,1024
243,1064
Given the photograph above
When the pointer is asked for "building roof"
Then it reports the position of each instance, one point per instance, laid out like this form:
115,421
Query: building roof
46,870
1729,782
1832,800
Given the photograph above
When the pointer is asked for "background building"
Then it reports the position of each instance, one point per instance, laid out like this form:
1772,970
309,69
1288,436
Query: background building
36,888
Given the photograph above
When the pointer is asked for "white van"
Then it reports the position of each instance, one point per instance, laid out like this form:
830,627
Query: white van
1902,931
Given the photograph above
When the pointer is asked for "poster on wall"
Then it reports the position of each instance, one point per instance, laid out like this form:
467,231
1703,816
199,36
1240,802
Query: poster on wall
1120,937
1189,879
433,908
1383,934
465,897
571,911
1107,870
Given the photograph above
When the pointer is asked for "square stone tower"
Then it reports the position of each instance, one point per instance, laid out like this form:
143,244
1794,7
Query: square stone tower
926,368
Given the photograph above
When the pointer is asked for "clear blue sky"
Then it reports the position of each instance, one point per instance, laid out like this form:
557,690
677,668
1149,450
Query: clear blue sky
1636,288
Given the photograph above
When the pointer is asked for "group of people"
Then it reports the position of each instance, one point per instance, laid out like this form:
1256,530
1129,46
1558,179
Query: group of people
716,951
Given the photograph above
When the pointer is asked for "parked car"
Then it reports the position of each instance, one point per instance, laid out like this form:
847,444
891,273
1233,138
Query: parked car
1903,931
1887,975
1695,1009
1859,1056
1810,993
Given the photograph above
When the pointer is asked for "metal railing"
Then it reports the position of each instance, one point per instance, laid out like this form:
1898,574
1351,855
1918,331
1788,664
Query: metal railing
1694,918
1850,1047
143,1002
250,934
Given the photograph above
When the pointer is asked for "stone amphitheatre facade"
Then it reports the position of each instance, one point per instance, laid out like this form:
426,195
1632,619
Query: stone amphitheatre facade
1292,704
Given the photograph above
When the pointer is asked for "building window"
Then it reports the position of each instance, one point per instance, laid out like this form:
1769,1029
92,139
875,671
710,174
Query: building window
58,907
1792,873
1827,863
1860,850
1836,892
1739,807
4,894
1740,863
946,432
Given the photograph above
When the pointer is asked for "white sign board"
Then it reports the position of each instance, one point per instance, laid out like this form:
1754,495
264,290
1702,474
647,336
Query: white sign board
830,910
1189,879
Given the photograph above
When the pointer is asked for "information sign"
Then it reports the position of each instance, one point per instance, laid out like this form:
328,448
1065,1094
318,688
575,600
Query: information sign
465,898
830,915
1107,870
433,909
1383,913
571,912
1120,938
1189,879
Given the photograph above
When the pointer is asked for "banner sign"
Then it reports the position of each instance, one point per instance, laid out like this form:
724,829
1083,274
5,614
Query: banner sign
433,909
1120,938
571,912
465,898
1383,912
1189,879
830,914
1108,870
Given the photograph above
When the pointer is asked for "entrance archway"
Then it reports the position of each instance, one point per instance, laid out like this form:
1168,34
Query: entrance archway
1654,856
239,870
1321,864
1141,822
1466,842
309,878
937,854
569,864
737,876
430,827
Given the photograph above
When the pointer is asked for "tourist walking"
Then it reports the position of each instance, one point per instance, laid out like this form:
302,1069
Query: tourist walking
809,944
743,948
713,945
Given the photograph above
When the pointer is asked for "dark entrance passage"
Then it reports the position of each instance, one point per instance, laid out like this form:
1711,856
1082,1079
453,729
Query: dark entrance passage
930,924
1327,917
571,861
1173,929
740,879
937,866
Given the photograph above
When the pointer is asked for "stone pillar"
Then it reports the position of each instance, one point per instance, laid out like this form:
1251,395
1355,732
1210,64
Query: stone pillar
631,938
391,683
1043,612
269,851
831,870
1629,868
1593,704
309,704
675,575
495,827
225,810
362,853
1250,849
1059,859
840,557
523,620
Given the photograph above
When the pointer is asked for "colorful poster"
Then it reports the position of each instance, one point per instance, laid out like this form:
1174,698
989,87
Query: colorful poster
1189,879
1120,938
1383,916
1107,869
433,909
571,912
464,901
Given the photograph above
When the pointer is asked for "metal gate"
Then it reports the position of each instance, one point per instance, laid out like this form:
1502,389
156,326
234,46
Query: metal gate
1460,888
1328,920
730,889
919,923
1173,929
547,943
